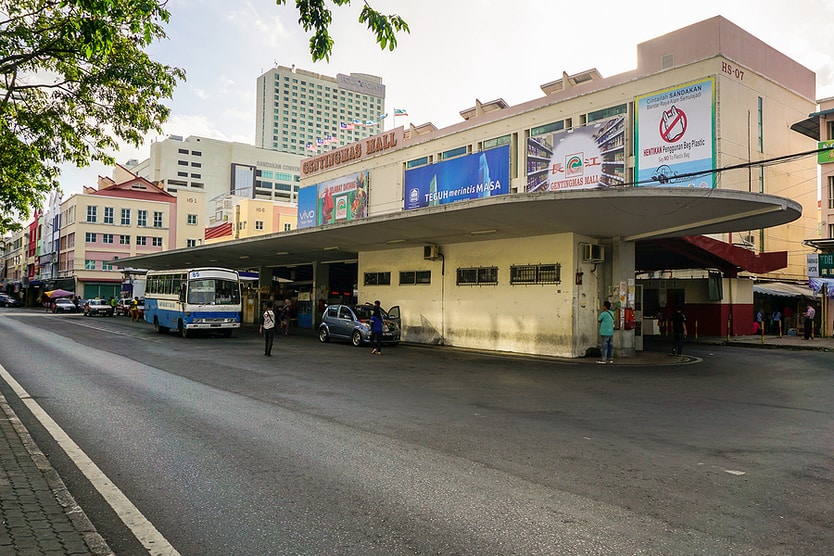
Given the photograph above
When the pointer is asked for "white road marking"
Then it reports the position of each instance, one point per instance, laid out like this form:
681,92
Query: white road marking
142,529
733,472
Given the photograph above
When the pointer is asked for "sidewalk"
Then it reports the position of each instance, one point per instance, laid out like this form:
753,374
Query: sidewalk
40,516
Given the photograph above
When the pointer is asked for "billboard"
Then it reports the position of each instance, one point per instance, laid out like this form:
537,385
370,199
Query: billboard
483,174
581,158
825,156
243,180
336,200
675,136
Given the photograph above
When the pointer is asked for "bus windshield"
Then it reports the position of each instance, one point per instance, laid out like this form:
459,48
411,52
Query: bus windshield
212,291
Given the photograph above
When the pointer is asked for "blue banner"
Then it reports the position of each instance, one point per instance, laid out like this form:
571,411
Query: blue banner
473,176
306,207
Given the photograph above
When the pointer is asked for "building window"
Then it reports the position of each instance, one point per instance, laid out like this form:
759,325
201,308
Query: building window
545,129
831,192
156,241
109,215
454,153
415,277
829,126
157,219
89,264
417,162
182,151
125,220
92,213
124,240
191,243
141,240
192,219
377,278
606,113
760,125
182,163
141,218
831,231
287,227
89,237
107,238
497,142
197,153
478,276
106,266
259,224
536,274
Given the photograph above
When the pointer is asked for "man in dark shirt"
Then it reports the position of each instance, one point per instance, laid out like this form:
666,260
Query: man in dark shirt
678,331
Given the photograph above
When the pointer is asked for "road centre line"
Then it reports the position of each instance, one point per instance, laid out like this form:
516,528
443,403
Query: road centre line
139,525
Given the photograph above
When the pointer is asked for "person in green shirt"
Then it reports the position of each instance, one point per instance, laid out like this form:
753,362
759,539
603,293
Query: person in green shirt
606,333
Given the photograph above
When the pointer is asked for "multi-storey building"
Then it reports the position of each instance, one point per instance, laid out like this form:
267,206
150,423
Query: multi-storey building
219,168
308,113
125,217
238,218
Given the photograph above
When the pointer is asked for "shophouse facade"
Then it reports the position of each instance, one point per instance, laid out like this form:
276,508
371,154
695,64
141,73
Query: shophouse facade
125,217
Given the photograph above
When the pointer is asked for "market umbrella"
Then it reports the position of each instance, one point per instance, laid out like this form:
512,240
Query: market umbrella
53,294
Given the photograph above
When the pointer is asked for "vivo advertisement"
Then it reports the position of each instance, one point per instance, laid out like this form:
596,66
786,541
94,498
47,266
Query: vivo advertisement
473,176
675,136
337,200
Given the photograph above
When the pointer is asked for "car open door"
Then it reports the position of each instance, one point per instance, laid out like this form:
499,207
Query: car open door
394,314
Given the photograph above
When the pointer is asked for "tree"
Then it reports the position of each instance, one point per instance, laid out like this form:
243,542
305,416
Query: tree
75,82
313,14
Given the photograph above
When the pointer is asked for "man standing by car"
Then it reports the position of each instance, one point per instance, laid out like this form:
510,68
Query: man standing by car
376,329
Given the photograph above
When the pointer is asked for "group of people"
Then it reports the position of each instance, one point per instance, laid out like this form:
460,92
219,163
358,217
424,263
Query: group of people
272,323
781,321
606,321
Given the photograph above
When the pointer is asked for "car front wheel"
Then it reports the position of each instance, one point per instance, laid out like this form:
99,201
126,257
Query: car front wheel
356,338
324,337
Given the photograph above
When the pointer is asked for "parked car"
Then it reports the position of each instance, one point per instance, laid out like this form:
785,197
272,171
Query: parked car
353,322
98,307
9,301
123,306
64,305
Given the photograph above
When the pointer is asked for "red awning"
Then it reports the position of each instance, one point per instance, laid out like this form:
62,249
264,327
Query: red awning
705,252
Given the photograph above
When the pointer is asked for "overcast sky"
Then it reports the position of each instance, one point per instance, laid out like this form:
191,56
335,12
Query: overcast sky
457,51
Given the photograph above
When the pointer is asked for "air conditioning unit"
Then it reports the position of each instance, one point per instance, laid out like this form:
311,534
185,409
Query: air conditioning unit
430,252
592,253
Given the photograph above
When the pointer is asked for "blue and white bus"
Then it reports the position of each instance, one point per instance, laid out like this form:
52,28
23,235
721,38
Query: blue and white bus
193,299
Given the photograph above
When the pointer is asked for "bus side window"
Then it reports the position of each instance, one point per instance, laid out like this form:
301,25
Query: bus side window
182,293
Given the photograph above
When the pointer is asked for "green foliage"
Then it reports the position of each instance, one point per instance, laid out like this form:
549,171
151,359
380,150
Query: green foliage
75,82
315,15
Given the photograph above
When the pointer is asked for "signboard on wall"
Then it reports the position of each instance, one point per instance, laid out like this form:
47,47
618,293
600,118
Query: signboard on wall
336,200
825,157
581,158
675,136
483,174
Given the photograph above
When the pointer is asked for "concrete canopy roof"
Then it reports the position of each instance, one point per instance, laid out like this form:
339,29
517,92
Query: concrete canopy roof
631,214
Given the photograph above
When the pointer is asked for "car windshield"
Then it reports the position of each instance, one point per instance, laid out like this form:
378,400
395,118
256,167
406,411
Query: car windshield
364,312
64,302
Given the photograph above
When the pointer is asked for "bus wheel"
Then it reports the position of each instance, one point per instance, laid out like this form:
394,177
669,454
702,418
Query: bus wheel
159,329
183,330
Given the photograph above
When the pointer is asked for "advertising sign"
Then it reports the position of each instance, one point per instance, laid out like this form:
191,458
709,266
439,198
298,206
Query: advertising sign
582,158
483,174
824,157
306,207
826,265
675,136
335,200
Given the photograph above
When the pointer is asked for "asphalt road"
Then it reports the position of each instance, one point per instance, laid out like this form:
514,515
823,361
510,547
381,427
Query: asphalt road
326,449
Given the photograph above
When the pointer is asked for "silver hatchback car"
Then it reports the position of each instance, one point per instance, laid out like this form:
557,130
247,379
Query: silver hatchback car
353,322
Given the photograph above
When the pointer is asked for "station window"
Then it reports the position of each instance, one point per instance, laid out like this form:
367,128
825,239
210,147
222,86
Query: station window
606,113
415,277
477,276
497,142
454,153
536,274
377,278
